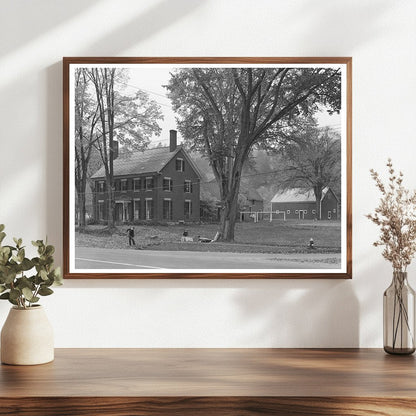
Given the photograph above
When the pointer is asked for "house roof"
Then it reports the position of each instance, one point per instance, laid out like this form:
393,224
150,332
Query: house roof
148,161
210,190
298,195
250,193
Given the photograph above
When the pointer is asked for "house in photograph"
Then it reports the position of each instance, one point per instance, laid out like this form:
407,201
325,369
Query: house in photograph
161,184
297,203
249,202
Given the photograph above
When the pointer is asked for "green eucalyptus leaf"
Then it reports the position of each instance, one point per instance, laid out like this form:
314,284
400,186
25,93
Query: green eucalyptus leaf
37,280
5,295
21,255
26,264
2,288
24,282
9,277
15,294
5,249
49,250
2,227
4,254
43,274
17,241
2,236
45,291
27,293
58,280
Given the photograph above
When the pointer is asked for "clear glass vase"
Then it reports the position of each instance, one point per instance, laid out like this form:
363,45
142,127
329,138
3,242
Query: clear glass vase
399,316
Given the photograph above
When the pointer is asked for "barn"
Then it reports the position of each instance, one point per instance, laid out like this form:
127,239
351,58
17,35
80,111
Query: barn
157,185
298,203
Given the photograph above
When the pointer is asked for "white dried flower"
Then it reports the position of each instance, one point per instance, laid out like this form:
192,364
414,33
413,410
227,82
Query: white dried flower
396,217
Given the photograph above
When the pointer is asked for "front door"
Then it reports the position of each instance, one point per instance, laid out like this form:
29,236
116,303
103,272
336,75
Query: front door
127,211
301,214
119,211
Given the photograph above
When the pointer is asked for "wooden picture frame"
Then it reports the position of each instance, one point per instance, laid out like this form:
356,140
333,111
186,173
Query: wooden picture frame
205,92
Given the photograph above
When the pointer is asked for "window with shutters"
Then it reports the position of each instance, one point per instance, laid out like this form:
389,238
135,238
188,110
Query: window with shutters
137,210
149,208
100,186
149,183
167,184
188,186
124,185
137,184
188,209
167,209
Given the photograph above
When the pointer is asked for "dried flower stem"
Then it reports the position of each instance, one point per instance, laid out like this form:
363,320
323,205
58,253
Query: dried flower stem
396,216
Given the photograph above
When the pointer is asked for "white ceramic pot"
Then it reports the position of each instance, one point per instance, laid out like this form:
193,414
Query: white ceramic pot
27,337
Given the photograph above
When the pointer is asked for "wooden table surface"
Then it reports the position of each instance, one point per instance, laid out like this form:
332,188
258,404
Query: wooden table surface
212,381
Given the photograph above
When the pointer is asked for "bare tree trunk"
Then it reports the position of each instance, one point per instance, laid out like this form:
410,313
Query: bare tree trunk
317,190
81,212
230,202
110,119
229,216
111,202
104,87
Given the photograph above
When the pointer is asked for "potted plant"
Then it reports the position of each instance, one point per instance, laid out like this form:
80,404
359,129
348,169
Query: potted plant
27,336
396,217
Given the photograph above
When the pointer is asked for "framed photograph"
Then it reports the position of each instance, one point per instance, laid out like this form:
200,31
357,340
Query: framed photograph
207,168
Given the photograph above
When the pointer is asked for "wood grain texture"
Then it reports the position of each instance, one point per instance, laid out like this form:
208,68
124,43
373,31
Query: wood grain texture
67,61
207,406
212,381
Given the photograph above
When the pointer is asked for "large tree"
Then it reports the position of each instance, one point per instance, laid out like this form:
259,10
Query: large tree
226,112
126,119
86,118
312,160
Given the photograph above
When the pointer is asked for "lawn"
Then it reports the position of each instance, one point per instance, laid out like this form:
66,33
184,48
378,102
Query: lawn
262,237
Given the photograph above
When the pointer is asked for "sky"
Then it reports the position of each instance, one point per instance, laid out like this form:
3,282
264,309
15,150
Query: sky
151,78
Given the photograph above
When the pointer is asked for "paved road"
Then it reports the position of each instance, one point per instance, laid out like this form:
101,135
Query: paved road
152,260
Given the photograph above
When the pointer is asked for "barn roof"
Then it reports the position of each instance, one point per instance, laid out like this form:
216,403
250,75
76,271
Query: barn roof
148,161
298,195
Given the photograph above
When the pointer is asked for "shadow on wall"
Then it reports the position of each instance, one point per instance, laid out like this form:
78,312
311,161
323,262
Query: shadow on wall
350,24
44,15
157,18
300,313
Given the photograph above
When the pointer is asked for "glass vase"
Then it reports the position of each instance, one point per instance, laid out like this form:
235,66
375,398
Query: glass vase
399,316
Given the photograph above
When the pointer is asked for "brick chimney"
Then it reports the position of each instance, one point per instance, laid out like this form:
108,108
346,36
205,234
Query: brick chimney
173,140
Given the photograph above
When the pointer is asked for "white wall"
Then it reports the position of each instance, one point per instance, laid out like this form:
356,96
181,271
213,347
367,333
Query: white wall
380,35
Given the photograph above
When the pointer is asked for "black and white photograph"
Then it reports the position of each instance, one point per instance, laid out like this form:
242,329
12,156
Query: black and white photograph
207,169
